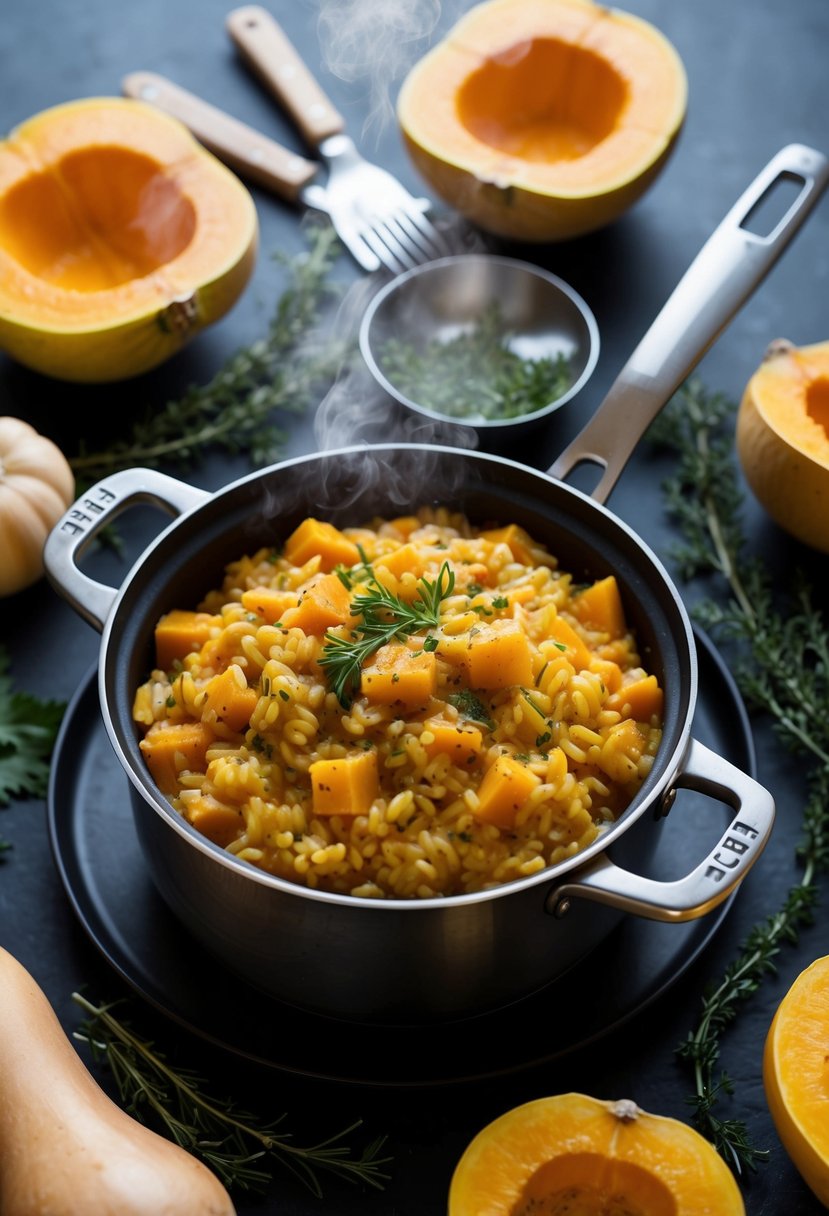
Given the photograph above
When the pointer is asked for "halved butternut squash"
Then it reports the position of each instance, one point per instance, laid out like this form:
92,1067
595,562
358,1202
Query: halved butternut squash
120,238
573,1153
544,119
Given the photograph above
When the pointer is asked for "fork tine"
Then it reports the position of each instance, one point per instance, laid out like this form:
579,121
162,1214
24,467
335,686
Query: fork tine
387,249
421,235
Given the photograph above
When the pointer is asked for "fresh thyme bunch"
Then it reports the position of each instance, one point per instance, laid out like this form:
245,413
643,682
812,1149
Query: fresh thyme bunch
781,663
228,1140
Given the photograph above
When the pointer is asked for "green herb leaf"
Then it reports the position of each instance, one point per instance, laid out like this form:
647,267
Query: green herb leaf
28,728
469,705
384,617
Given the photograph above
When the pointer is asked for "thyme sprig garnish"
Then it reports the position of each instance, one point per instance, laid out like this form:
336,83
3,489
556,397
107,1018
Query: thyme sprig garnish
384,617
234,411
781,663
228,1140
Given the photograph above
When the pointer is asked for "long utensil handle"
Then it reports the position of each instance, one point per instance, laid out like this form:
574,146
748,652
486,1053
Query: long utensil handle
242,148
267,50
730,265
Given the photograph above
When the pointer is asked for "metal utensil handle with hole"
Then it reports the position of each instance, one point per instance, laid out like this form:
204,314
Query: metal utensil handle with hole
243,148
266,49
723,275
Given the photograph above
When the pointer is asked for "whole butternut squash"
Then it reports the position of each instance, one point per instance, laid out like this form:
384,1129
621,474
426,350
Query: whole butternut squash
66,1149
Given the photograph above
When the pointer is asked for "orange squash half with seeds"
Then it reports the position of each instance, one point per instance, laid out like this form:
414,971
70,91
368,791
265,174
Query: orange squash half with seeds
572,1153
544,119
120,238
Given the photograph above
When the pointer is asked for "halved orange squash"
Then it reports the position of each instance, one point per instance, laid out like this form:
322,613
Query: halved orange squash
796,1075
543,119
574,1154
120,238
783,439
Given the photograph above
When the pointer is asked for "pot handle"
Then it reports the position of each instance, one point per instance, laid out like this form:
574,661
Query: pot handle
730,265
80,524
709,883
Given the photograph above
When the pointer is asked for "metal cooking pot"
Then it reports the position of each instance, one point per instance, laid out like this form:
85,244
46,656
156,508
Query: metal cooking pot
406,960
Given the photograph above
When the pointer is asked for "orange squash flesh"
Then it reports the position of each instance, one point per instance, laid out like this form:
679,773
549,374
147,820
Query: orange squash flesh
782,439
543,119
796,1075
571,1153
120,237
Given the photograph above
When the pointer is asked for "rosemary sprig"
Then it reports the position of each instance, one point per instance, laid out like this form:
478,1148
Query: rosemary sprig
384,617
234,410
781,664
228,1140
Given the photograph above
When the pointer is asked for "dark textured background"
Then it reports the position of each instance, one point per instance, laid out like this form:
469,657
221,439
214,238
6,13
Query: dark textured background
757,77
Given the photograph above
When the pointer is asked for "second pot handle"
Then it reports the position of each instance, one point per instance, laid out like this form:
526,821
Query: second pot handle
710,882
730,265
82,522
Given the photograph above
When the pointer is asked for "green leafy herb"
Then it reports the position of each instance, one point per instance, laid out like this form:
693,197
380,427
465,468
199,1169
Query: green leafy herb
28,727
476,374
229,1141
383,617
282,371
779,649
469,705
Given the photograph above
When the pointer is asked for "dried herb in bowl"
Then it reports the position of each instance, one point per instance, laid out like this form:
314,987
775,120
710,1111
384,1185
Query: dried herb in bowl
476,374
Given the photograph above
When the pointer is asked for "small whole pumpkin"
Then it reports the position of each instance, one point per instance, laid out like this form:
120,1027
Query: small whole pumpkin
36,487
572,1153
782,439
540,120
796,1075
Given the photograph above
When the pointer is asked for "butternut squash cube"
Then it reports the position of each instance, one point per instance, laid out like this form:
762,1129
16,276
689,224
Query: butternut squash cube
229,699
641,700
345,786
399,674
317,537
179,633
219,823
574,648
170,747
599,607
323,603
498,655
504,790
268,603
407,558
518,540
460,741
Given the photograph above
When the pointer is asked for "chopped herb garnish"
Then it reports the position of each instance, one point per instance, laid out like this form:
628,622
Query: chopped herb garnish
286,696
469,705
500,601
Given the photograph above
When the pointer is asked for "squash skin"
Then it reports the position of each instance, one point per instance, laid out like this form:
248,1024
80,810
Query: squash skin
65,1147
112,332
570,1146
795,1075
526,199
36,487
784,453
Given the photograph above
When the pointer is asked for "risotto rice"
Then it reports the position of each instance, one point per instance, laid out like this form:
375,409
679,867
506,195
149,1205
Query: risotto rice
408,709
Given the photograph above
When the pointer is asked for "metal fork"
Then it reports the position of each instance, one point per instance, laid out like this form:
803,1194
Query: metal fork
370,208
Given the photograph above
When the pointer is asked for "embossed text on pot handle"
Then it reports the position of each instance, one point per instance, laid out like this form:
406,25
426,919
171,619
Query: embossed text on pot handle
81,523
710,882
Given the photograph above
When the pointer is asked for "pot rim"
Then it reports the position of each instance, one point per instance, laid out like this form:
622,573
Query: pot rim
662,773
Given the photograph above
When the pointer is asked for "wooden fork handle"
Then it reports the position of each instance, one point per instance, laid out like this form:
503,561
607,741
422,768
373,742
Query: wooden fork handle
264,46
243,148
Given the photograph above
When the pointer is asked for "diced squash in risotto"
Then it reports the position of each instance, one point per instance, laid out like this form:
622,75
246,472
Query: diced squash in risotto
398,674
506,786
574,647
171,747
519,542
599,607
180,633
460,741
267,602
498,656
345,786
228,699
317,538
325,602
213,819
640,700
